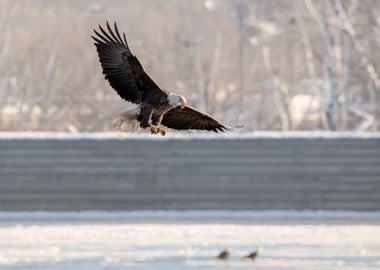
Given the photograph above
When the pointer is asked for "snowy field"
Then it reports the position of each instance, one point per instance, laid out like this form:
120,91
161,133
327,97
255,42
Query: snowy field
189,240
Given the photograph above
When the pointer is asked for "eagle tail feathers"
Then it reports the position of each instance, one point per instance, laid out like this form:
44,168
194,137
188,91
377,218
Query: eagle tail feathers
127,121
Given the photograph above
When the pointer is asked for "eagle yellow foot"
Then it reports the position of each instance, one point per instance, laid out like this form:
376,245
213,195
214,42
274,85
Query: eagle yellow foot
157,130
154,129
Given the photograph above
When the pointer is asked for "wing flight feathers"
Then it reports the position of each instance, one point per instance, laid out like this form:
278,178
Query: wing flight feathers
121,68
191,118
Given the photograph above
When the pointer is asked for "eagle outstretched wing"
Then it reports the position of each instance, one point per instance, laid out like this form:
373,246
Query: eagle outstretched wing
190,118
122,69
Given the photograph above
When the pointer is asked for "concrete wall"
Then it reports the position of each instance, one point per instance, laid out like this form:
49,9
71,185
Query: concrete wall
245,174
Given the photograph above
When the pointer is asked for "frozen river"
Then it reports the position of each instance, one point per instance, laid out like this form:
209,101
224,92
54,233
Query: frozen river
189,240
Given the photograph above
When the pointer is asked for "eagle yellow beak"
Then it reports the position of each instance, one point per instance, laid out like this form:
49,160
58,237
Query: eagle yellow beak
183,105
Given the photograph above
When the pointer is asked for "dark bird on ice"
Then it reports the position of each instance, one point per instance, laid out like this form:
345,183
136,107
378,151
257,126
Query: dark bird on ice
224,254
253,255
156,106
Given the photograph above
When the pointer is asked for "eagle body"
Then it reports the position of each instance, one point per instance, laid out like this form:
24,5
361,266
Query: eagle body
155,107
147,115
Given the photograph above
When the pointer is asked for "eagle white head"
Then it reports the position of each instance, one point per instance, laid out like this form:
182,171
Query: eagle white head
177,101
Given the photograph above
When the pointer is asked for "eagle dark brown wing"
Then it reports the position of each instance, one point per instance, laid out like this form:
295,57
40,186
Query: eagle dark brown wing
122,69
190,118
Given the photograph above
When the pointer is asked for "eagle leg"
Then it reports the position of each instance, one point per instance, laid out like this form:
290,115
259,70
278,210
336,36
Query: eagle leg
156,120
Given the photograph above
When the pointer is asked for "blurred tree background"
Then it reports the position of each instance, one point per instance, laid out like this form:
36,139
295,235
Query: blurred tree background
266,64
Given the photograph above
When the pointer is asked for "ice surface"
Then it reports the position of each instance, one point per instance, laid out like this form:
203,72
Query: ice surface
189,240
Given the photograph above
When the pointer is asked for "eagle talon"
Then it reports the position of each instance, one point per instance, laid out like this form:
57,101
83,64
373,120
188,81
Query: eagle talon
162,131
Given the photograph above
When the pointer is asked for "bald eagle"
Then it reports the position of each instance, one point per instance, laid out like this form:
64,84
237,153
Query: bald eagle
156,107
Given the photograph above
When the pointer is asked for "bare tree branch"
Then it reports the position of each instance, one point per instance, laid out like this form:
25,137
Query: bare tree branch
328,66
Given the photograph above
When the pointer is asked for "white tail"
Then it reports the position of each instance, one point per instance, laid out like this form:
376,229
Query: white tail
127,121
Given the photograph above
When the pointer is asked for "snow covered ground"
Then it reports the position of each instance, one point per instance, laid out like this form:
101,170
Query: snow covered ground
189,240
188,136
